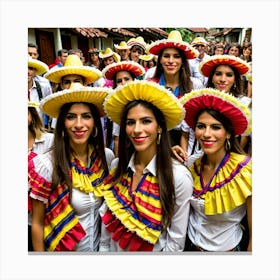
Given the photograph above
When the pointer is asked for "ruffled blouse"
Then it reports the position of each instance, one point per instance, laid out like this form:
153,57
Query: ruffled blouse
228,188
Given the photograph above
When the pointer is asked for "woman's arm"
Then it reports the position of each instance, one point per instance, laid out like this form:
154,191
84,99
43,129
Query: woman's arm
38,215
249,217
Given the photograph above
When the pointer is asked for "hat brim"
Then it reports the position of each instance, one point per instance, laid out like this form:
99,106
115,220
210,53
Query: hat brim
235,111
209,64
40,66
118,47
159,96
89,73
157,46
110,70
52,104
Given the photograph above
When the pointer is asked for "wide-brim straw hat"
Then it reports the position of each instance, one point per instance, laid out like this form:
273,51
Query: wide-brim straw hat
199,41
229,106
73,66
33,104
152,92
207,65
111,70
146,57
39,65
108,52
174,40
138,41
52,104
122,46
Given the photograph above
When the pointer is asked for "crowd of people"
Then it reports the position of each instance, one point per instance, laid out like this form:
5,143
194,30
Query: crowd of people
141,147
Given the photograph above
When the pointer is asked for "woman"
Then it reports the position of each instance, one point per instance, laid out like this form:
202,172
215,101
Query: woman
120,73
225,73
39,142
234,49
65,182
147,198
173,72
222,194
137,48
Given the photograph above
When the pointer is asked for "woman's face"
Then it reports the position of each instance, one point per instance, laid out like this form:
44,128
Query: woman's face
234,51
223,78
108,60
123,77
79,124
211,134
135,52
171,61
142,129
219,51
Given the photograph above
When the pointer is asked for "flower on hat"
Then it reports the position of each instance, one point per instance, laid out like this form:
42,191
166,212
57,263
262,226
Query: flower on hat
73,65
174,40
93,50
231,107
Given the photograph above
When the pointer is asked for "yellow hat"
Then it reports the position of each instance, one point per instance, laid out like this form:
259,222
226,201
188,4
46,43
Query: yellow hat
199,41
174,40
40,66
149,91
122,46
146,57
107,53
52,103
73,65
139,41
33,104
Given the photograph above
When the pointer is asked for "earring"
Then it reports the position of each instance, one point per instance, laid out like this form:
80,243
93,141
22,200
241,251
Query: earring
234,86
158,138
95,132
227,145
62,133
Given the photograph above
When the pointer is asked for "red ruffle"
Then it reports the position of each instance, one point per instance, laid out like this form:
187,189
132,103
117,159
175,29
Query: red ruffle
127,240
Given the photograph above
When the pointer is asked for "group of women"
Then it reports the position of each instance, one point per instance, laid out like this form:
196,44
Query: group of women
146,195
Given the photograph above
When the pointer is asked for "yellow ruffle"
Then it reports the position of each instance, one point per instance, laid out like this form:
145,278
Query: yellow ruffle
126,217
233,193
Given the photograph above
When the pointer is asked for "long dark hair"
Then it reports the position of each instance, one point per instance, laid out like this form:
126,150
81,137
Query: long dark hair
186,84
227,124
163,160
62,149
36,127
237,88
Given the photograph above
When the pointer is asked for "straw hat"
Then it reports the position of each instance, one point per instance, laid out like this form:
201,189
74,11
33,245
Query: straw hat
139,41
33,104
107,53
146,57
199,41
52,104
207,65
122,46
148,91
228,105
73,65
130,66
40,66
174,40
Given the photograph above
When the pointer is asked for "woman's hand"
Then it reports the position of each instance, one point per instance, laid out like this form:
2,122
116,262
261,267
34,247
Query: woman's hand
180,153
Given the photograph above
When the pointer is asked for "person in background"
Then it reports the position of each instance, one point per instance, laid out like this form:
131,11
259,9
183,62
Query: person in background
219,49
94,60
123,50
173,72
200,44
66,200
39,142
137,48
234,49
73,71
120,73
222,194
61,58
147,194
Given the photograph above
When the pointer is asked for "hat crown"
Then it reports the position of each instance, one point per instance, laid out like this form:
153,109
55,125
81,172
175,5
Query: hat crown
199,40
175,36
107,51
73,60
123,44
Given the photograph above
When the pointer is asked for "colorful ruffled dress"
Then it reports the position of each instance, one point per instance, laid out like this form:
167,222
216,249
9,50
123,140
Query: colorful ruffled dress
132,220
67,225
219,205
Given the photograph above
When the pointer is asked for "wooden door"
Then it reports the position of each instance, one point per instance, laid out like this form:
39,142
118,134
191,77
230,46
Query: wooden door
45,42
